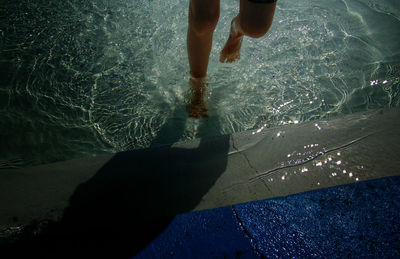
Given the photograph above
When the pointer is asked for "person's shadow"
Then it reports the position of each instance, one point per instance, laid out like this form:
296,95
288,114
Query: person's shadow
136,194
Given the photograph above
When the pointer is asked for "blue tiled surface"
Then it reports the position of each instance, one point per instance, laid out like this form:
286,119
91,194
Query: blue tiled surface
356,220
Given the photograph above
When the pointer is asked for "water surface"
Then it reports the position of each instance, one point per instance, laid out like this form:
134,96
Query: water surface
81,78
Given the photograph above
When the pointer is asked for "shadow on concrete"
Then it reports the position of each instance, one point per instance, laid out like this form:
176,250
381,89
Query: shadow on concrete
132,198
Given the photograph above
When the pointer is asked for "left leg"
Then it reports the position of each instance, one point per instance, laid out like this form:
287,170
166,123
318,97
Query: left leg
254,20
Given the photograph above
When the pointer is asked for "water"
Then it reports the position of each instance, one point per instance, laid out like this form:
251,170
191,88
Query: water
81,78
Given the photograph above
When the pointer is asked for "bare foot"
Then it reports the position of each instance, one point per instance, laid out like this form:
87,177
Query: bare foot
231,50
197,108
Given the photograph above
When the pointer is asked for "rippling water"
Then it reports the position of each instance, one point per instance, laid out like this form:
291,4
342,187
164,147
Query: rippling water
80,78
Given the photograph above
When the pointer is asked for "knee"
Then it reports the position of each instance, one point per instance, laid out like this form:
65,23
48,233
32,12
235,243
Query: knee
203,21
255,28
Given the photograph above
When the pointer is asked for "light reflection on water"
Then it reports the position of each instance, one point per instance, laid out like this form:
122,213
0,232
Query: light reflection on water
86,77
323,165
333,166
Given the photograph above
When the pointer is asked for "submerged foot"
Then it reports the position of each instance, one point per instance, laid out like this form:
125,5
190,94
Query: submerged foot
197,108
231,50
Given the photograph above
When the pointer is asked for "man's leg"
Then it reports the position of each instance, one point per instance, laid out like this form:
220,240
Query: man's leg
203,18
254,20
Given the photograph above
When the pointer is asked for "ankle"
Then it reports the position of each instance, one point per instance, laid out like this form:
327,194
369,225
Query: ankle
198,82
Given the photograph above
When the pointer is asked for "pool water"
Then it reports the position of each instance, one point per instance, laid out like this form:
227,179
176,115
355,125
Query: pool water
81,78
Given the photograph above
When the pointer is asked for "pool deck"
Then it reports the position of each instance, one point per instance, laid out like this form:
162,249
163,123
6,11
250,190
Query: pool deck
147,185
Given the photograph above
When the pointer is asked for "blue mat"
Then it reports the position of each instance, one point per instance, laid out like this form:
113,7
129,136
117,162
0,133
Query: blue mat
355,220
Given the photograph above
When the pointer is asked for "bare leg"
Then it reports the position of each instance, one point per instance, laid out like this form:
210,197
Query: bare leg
253,20
203,18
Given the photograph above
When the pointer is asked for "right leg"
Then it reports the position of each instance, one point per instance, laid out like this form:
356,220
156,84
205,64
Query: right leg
203,18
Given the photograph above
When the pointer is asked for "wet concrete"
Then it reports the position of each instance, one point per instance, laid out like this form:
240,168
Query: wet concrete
313,155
